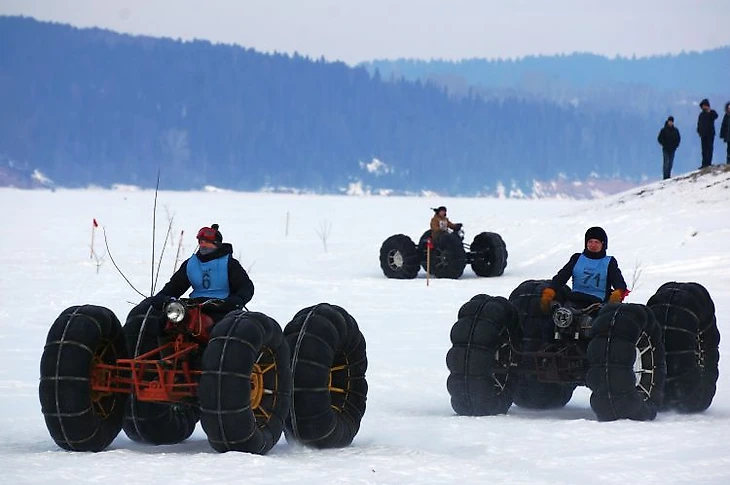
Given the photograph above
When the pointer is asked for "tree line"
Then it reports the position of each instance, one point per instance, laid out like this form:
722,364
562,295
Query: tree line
90,106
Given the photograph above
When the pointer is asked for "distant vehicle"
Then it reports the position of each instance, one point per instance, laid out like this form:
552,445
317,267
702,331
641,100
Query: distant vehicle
637,359
243,377
401,258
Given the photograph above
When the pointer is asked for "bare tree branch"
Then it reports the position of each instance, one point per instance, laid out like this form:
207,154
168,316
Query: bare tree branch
323,231
636,274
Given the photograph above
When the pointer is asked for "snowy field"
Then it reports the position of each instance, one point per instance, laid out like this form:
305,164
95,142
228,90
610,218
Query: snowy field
677,230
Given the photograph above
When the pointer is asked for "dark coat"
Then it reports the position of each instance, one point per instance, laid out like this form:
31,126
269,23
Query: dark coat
615,278
669,137
725,126
240,285
706,123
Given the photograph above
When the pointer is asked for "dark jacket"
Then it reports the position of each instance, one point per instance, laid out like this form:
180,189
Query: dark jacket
669,137
706,123
615,279
240,285
725,126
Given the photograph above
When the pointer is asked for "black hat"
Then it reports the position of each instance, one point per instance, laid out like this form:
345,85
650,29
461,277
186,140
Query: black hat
597,233
705,102
671,118
439,208
210,234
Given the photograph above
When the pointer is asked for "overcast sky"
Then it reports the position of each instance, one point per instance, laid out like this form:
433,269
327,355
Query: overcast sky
358,30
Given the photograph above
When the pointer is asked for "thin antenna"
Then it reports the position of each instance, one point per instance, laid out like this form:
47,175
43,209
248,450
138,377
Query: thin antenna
154,221
179,247
108,251
162,253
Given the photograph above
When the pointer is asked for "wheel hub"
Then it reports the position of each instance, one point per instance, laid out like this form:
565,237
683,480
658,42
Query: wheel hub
257,386
396,259
644,365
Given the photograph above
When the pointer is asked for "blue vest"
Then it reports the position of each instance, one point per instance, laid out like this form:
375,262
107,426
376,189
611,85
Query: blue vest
590,276
209,279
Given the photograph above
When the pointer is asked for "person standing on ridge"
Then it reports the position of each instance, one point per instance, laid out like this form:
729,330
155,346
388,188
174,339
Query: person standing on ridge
725,130
706,130
669,140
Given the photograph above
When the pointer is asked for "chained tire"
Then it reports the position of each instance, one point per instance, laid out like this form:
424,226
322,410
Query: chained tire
483,340
399,257
537,330
448,258
686,313
489,254
245,386
79,418
626,362
328,363
149,422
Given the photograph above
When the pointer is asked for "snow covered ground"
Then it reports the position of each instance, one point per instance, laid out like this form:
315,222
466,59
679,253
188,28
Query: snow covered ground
678,230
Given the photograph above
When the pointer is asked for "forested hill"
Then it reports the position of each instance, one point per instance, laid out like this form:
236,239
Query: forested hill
699,72
92,107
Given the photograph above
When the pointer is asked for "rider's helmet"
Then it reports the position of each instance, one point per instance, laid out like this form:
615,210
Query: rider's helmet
210,234
597,233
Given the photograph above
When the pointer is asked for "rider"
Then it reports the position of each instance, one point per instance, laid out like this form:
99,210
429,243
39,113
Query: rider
440,224
596,276
213,273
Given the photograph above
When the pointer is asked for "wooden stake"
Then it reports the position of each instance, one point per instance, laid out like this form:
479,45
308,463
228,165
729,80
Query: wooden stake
93,231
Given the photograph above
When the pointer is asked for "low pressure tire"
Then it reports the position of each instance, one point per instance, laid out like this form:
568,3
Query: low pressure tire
537,331
328,362
245,387
626,363
448,258
399,257
483,342
686,312
489,254
149,422
79,418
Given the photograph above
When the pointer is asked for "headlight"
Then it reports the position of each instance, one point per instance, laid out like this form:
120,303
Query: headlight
562,317
175,311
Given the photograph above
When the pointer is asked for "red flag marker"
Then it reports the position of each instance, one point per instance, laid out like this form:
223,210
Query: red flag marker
94,225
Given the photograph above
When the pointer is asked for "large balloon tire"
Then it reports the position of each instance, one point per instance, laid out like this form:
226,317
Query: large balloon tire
399,257
686,312
448,257
489,254
149,422
77,417
328,362
245,386
480,359
537,330
626,360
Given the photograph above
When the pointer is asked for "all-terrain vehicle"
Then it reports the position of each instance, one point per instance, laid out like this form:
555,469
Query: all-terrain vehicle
401,258
244,378
636,359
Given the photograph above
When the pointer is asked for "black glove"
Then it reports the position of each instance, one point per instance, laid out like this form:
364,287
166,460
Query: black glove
224,305
159,300
457,227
